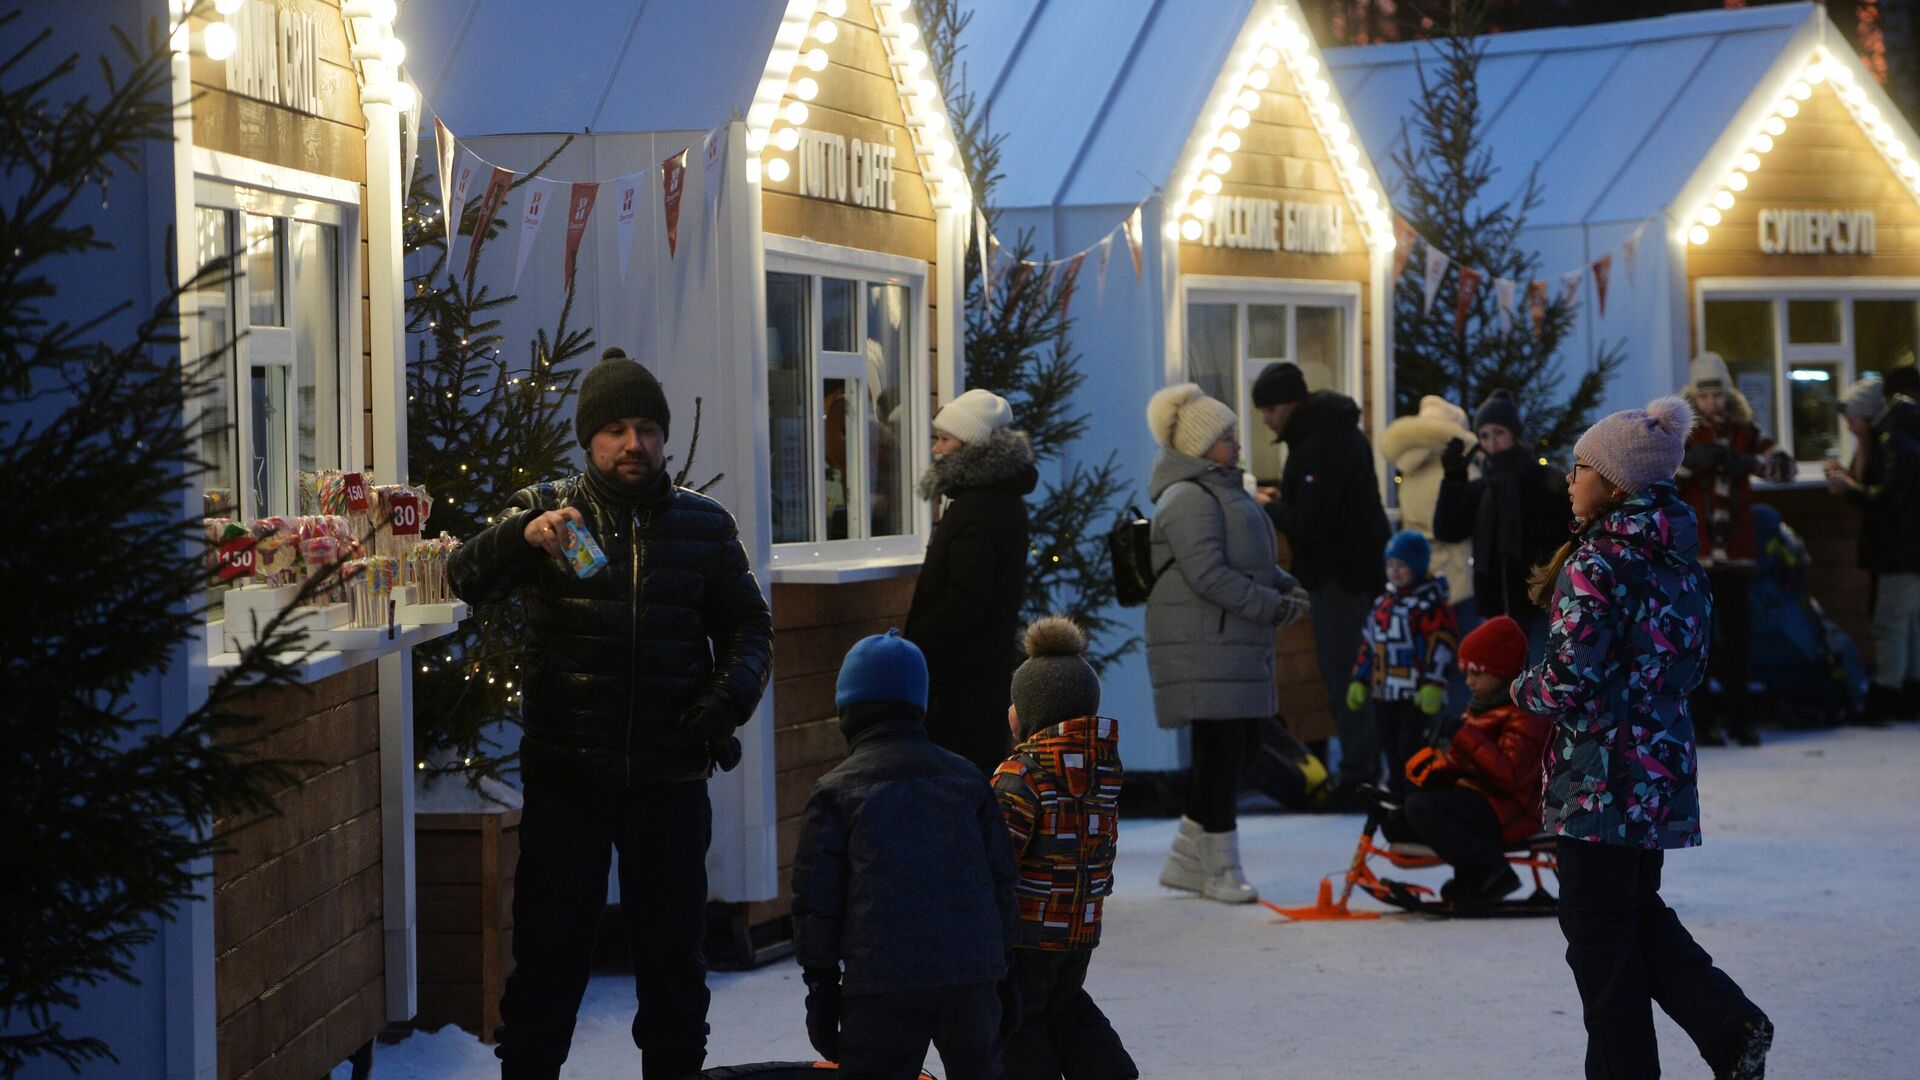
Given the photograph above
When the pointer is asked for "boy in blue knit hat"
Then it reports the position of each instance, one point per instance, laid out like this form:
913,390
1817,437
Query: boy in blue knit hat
1406,653
903,909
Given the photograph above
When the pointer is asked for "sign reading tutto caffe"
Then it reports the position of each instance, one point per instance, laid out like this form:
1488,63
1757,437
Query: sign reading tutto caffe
1817,232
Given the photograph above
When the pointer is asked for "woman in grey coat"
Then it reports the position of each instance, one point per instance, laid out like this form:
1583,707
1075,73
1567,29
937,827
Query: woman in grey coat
1211,620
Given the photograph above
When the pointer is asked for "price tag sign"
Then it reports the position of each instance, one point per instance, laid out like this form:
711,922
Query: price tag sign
356,485
406,513
236,558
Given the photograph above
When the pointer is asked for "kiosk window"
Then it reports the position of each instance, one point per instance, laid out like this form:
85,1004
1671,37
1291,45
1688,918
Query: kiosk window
1230,344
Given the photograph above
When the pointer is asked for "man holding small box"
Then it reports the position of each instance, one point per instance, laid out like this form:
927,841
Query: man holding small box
639,664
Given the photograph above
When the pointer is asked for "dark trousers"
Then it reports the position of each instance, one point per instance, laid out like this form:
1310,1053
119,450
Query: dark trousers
1402,729
1628,950
885,1036
1460,826
567,836
1222,750
1062,1035
1729,660
1338,617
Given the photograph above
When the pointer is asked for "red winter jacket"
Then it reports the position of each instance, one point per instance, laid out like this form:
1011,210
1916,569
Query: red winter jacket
1499,753
1716,479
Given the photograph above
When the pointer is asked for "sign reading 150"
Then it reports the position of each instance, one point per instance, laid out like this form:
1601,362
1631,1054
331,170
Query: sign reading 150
829,168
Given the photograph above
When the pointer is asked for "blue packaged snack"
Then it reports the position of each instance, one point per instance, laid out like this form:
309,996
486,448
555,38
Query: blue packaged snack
583,554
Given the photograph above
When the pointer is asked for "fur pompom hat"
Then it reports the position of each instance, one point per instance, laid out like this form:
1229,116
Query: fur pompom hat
1637,447
1185,419
1055,683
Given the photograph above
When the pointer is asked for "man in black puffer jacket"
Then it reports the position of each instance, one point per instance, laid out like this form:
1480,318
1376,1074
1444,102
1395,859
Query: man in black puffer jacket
635,679
1328,505
904,875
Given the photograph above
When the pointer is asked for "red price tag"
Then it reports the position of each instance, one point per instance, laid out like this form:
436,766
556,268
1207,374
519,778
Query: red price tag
236,558
356,486
406,513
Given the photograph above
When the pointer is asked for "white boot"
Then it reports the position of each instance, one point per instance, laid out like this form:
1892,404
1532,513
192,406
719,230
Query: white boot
1184,869
1220,860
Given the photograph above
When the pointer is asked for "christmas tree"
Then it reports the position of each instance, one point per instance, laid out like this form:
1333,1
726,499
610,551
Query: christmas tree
108,807
1445,169
1017,347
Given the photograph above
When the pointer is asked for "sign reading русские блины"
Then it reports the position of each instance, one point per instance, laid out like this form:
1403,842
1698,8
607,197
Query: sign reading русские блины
1273,225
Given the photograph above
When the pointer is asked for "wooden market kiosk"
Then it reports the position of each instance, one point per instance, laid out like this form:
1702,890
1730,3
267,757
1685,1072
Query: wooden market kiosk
1261,234
1759,194
804,300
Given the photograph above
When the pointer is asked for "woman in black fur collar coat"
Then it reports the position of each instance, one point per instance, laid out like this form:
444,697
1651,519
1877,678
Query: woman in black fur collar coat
966,606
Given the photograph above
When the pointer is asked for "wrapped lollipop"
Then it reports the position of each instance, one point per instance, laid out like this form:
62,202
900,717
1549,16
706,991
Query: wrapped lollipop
320,553
277,550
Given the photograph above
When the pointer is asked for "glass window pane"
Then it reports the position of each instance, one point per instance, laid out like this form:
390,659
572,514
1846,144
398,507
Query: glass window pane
262,266
1813,322
790,416
316,343
268,470
1266,332
214,302
889,395
1815,390
1741,331
1213,351
841,401
1885,334
837,298
1320,339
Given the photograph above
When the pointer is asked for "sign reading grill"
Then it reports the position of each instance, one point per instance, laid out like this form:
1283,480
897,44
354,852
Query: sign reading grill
276,57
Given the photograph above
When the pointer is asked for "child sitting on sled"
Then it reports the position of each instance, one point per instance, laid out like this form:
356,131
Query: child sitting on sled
1482,793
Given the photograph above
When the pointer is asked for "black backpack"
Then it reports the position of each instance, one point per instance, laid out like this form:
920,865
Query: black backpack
1130,545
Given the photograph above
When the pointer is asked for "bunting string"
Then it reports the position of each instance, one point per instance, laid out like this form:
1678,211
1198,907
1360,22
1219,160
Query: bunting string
1469,281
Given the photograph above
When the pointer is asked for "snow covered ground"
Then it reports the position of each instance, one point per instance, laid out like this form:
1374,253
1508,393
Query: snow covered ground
1807,891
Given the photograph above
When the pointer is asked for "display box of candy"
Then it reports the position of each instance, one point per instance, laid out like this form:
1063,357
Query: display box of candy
249,609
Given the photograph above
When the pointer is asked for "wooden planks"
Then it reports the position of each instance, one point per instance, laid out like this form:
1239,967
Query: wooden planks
465,866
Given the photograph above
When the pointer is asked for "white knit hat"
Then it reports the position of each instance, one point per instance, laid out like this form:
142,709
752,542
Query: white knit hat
973,416
1434,407
1709,372
1865,399
1187,420
1637,447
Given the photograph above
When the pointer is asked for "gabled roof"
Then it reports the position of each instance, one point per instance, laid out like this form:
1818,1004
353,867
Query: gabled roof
1622,119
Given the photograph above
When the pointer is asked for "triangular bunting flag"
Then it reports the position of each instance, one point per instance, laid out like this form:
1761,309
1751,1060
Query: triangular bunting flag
1100,272
1134,240
1632,251
463,178
1068,277
1503,302
1537,306
497,186
444,148
539,193
714,159
1403,238
579,210
1570,291
627,198
1464,294
986,253
1602,267
673,180
1436,269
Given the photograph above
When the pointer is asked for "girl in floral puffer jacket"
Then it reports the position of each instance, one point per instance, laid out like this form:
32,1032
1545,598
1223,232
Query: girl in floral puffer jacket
1630,615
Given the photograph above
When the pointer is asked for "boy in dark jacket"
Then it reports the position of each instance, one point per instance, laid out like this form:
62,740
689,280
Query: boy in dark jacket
903,910
1406,654
1483,791
1060,794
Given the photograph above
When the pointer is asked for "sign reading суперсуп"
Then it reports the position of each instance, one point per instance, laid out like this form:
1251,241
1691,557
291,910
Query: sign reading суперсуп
1817,232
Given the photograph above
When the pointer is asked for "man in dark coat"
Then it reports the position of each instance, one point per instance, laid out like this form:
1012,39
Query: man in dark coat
966,606
1884,482
635,678
1328,505
1516,513
903,908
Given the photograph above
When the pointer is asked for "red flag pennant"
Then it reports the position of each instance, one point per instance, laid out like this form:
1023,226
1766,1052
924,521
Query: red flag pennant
1537,305
1602,268
579,209
673,180
1463,298
1403,237
497,185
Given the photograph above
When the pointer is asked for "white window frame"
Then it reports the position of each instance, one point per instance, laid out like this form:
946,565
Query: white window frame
1291,292
1778,291
789,255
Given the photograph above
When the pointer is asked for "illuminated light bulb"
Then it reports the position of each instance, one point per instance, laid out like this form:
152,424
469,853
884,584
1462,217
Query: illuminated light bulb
1897,150
1883,131
227,7
1318,89
907,33
757,140
1239,118
1737,181
926,90
1750,162
806,89
1800,91
935,121
777,169
1910,169
1708,216
1268,57
1789,108
942,151
1210,184
1369,197
787,138
1775,126
1201,208
1307,66
796,113
826,32
219,41
1190,229
403,96
1841,74
1762,143
1723,199
1698,234
1816,73
1856,96
761,114
1220,163
916,61
1249,99
1340,131
1229,141
393,51
1349,153
1259,80
1328,112
815,59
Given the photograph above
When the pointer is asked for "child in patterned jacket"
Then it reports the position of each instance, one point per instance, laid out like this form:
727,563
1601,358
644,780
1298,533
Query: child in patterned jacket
1406,653
1060,794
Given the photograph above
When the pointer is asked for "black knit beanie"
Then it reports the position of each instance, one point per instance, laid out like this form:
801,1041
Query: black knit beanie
616,388
1500,408
1280,384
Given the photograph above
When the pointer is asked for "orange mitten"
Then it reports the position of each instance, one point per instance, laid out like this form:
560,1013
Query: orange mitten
1426,766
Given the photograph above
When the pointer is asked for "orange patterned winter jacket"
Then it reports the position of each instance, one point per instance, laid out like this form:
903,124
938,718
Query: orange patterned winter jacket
1060,794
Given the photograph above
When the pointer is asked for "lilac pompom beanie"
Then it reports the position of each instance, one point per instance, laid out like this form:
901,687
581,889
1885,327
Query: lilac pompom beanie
1637,447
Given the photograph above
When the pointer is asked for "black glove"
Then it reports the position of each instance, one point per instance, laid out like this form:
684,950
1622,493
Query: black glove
1009,1006
726,754
1701,457
1453,459
823,1011
708,720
